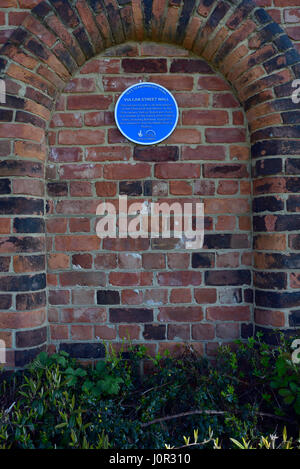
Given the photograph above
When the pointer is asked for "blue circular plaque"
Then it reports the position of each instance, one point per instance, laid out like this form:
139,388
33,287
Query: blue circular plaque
146,113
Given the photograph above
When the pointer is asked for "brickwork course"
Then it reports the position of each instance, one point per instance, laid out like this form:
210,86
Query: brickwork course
230,66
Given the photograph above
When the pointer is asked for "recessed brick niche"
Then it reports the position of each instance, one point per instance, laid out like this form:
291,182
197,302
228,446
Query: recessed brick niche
236,148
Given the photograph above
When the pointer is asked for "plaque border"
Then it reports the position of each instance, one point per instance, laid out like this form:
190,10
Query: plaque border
136,141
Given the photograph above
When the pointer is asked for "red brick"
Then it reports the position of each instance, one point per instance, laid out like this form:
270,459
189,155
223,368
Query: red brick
153,261
83,261
105,332
59,332
127,171
228,187
226,205
174,82
180,278
89,101
212,83
132,297
172,170
205,295
106,189
204,117
180,188
81,137
178,260
80,171
58,261
81,332
79,225
203,331
228,313
180,295
179,331
228,331
180,314
66,120
80,189
5,225
225,135
77,243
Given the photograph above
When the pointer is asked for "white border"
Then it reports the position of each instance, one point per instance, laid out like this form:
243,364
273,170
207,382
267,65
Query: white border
159,86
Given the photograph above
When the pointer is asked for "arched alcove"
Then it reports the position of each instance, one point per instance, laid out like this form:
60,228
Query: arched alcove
241,41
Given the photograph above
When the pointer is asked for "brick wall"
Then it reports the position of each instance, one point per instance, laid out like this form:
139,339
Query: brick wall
284,12
152,290
61,154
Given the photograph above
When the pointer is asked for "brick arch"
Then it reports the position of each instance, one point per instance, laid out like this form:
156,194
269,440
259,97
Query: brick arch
240,40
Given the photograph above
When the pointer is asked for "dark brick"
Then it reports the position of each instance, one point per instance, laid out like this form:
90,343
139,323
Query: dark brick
270,280
144,65
37,49
154,332
28,301
4,264
294,242
5,301
218,13
268,32
292,117
130,188
287,223
294,318
31,263
277,300
147,12
23,244
188,6
225,241
190,66
66,12
108,297
246,331
83,40
29,225
248,295
293,184
262,16
23,357
38,97
275,147
57,189
284,105
15,102
83,350
156,154
228,277
4,148
135,315
23,282
281,61
31,338
293,203
21,206
41,10
269,336
5,115
292,165
268,167
66,59
200,260
5,186
27,118
267,204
